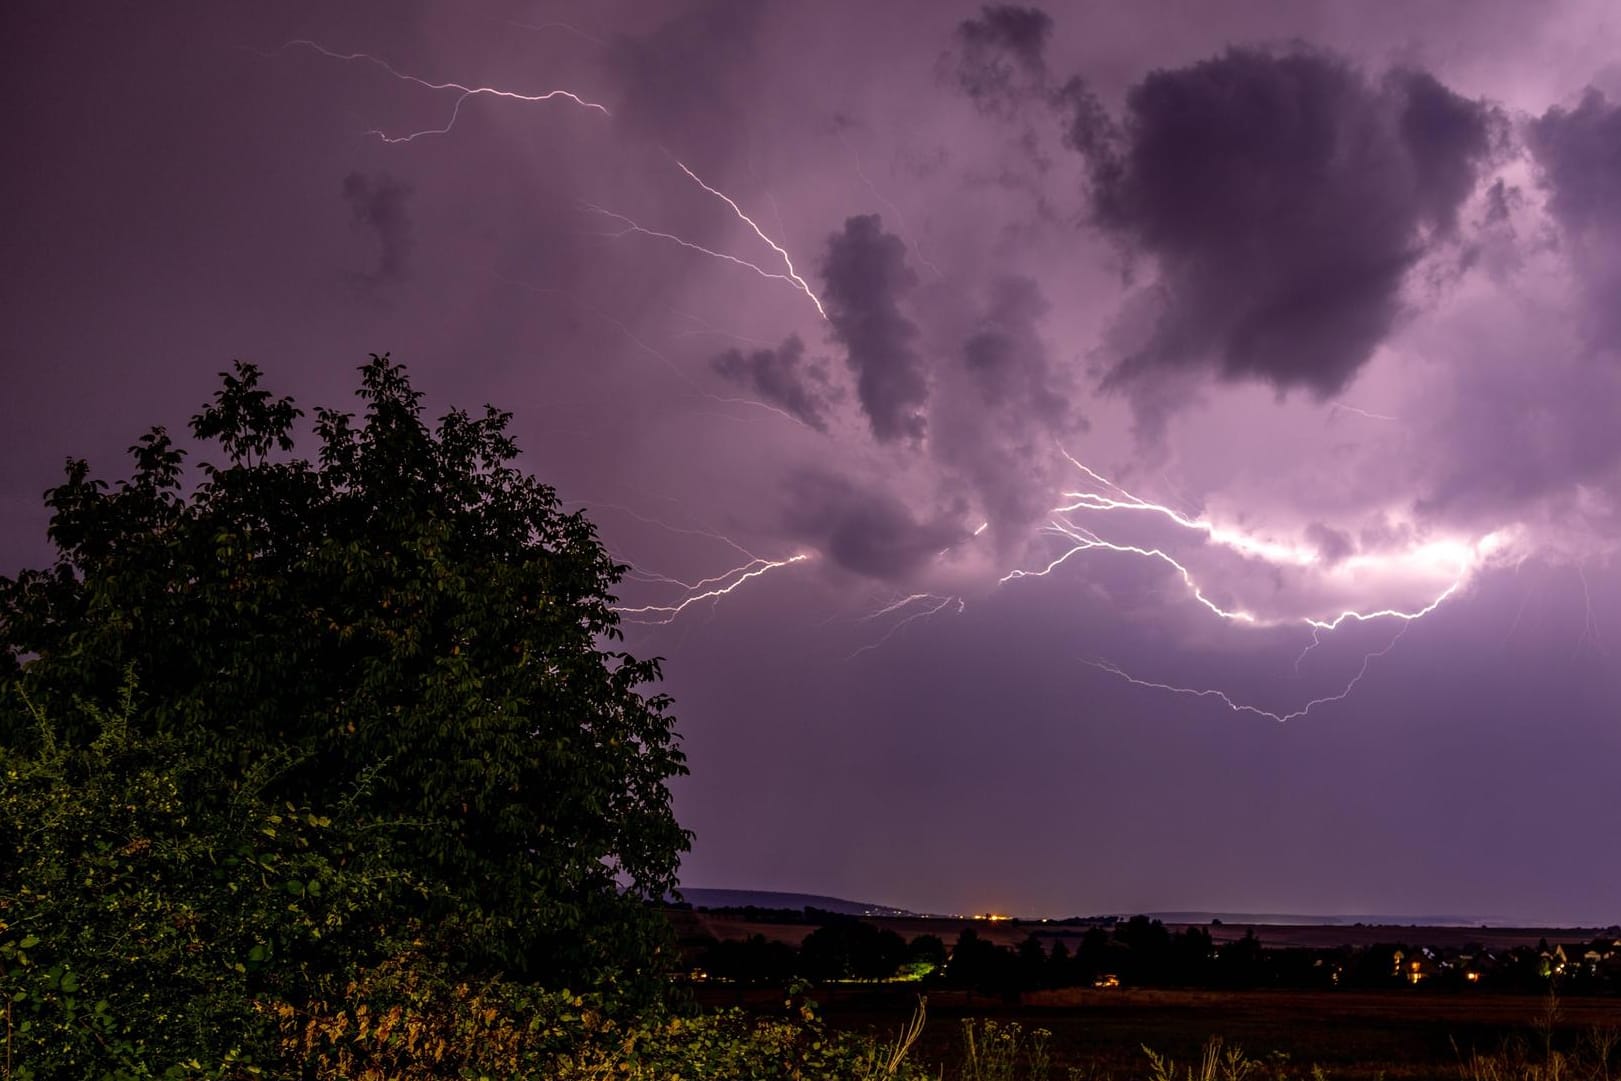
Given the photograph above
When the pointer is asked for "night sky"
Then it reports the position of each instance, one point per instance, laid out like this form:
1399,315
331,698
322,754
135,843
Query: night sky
1220,322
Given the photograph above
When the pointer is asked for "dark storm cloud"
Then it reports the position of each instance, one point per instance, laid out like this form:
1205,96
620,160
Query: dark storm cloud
867,278
1579,153
1283,196
869,532
784,378
1001,56
378,204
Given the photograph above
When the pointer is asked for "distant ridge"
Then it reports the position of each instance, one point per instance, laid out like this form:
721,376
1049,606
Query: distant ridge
1295,919
703,898
712,898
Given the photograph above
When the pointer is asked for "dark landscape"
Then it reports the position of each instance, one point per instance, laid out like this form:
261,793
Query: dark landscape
810,540
1534,990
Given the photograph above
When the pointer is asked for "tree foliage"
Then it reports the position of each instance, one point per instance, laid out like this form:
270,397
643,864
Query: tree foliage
409,625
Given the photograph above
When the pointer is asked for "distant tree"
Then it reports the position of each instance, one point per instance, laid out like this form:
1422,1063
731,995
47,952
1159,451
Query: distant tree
1094,956
407,625
927,949
755,960
982,966
1147,955
1060,967
1032,968
1242,962
851,949
1191,957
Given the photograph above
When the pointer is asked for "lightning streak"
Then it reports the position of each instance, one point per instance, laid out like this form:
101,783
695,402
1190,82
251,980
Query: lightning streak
942,604
1244,707
1243,543
1107,496
632,226
1085,540
464,91
661,614
793,275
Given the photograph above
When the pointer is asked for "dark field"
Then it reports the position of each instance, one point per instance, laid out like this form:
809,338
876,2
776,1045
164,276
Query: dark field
729,925
1352,1035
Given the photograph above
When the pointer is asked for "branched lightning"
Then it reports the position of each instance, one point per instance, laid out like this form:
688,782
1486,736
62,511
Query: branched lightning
793,275
1085,540
1245,544
1106,496
629,225
942,603
1244,707
788,274
464,92
706,589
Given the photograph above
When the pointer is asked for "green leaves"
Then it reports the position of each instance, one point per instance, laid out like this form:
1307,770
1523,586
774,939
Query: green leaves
401,636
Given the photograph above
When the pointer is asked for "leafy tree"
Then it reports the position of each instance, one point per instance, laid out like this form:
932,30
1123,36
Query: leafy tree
143,932
850,949
408,609
1032,968
927,949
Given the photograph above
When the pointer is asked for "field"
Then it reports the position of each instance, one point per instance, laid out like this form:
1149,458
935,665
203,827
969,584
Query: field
1351,1035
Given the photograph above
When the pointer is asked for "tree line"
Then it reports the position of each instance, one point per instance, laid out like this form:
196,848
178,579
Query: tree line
1138,952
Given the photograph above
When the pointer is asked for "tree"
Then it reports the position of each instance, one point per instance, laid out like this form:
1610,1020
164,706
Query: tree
850,949
409,624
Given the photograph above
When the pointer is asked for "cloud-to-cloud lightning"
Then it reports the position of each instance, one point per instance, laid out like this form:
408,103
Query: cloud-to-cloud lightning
1465,559
464,92
1243,707
705,589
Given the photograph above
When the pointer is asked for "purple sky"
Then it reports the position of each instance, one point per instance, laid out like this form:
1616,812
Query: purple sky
1300,308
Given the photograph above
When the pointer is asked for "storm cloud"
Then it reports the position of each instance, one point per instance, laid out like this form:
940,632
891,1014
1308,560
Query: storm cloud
1282,197
1000,58
865,530
378,204
867,280
783,378
1579,153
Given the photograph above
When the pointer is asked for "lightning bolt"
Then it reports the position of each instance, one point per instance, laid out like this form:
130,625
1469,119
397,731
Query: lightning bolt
1272,552
942,603
1085,540
788,262
788,274
1244,707
630,226
464,92
1342,407
706,589
1109,497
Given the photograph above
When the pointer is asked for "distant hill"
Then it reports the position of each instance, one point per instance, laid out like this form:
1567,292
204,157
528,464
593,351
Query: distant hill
708,898
1292,919
702,898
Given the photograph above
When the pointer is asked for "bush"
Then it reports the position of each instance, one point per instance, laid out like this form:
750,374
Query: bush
146,909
